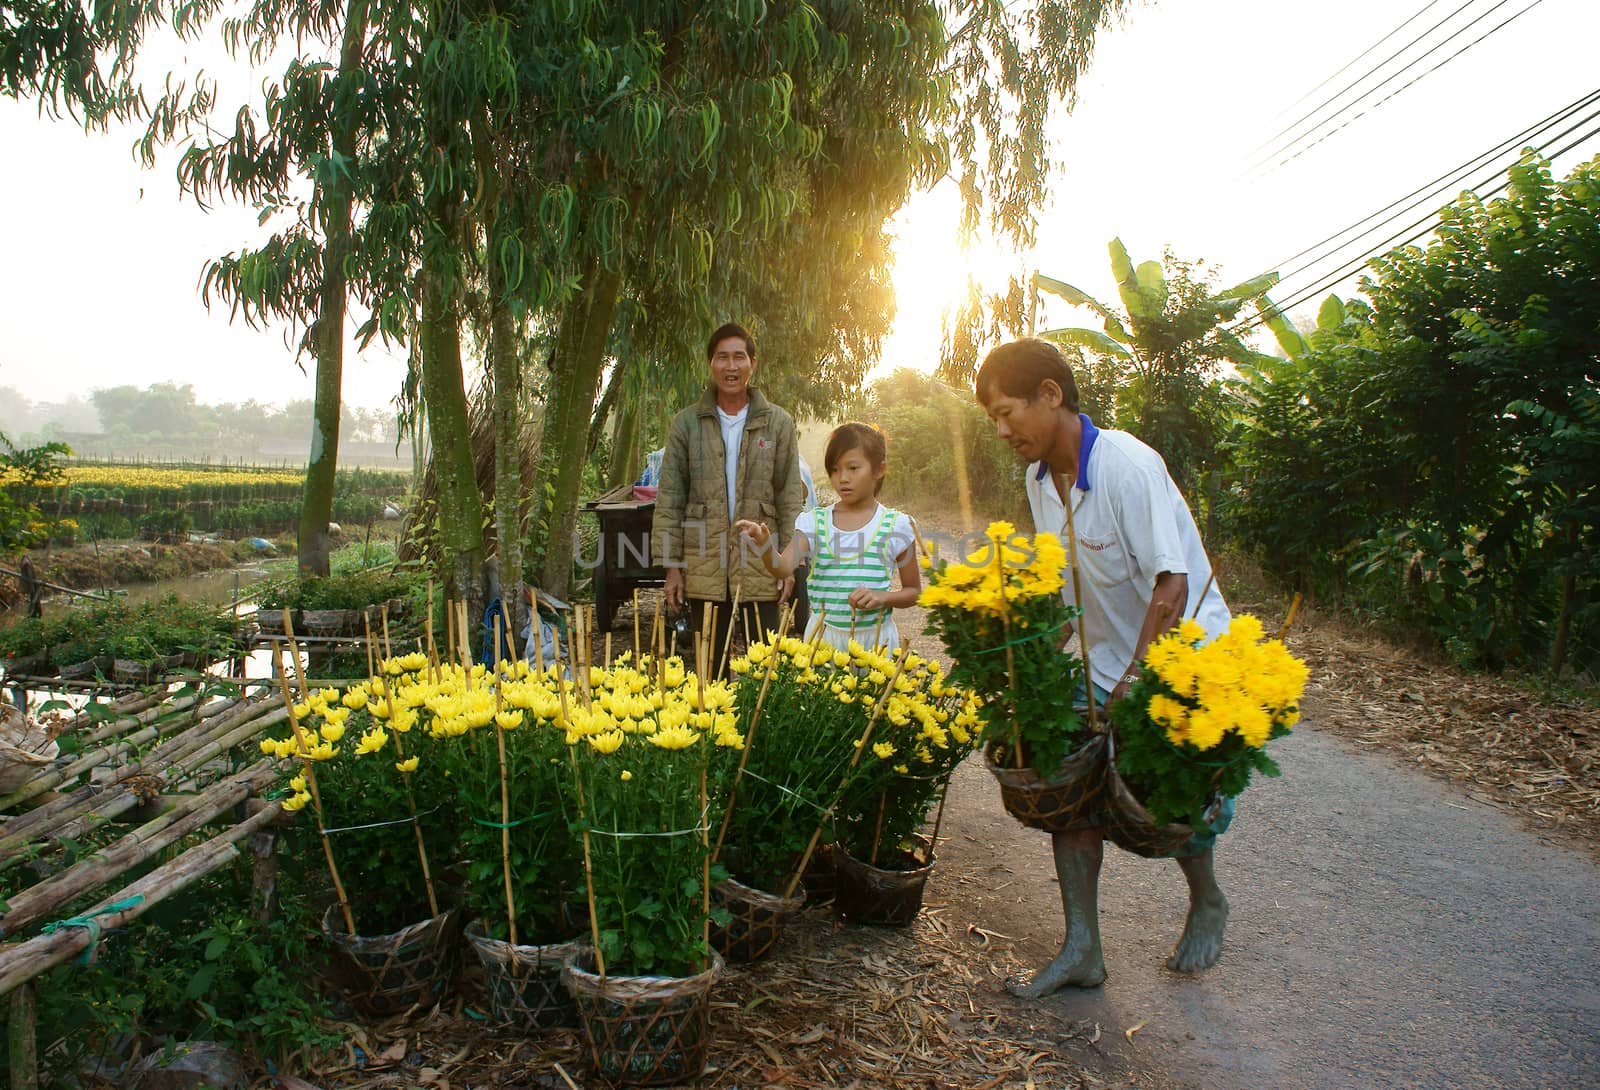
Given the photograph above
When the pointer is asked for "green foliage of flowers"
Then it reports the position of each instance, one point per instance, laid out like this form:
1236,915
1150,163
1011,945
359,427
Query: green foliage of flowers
1196,722
1002,618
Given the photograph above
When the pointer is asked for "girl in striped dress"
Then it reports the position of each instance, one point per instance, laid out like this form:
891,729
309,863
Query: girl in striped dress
856,545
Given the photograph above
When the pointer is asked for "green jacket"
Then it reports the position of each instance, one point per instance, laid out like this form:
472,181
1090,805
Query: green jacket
692,521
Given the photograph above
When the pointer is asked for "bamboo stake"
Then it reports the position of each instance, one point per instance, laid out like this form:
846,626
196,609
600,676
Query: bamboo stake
505,794
450,627
372,671
311,782
607,660
538,636
750,731
1011,660
1083,635
727,641
400,751
866,740
636,627
1294,607
705,843
388,653
583,819
294,655
433,650
877,832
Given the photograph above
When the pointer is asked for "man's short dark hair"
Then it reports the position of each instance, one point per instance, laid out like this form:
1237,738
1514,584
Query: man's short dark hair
1019,368
730,329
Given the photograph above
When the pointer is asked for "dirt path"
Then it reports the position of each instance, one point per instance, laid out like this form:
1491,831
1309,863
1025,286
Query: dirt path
1385,931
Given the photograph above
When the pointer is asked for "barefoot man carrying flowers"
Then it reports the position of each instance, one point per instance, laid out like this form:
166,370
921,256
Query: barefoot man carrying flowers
1142,568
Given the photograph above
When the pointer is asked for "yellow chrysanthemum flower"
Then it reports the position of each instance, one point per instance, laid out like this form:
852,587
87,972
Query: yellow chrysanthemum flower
372,741
331,731
674,738
606,741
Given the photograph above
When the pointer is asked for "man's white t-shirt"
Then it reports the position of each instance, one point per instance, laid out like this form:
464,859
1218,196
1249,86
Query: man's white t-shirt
732,434
1132,524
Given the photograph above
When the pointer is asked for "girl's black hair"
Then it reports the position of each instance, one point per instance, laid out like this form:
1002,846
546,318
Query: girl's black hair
857,436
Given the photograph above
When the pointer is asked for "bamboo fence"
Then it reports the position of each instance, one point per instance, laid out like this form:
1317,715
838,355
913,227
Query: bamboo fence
168,767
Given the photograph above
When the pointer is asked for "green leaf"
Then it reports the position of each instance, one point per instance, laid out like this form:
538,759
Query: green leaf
1330,315
200,983
1073,295
216,947
1092,339
1288,337
1250,288
1152,283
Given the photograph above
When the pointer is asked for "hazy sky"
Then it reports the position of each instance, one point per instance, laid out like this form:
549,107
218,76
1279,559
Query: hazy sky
101,283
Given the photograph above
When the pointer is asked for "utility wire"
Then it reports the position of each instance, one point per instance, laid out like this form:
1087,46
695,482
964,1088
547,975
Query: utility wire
1410,233
1427,190
1413,80
1329,101
1329,79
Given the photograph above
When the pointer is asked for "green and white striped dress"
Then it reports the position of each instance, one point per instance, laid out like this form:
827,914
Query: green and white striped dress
840,563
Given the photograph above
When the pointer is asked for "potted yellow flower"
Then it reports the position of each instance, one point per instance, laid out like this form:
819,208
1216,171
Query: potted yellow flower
926,729
1194,728
798,751
642,743
1004,621
361,766
503,752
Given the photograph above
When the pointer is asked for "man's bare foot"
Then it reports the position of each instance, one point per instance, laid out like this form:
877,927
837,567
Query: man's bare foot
1069,969
1201,942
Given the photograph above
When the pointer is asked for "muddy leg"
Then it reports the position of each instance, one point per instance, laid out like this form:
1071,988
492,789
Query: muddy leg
1080,963
1201,943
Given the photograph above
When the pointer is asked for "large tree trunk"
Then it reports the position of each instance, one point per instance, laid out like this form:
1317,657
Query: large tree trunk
328,334
505,370
625,456
505,365
574,383
460,511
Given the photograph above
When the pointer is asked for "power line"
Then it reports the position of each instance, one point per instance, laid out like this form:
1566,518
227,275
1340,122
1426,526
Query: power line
1296,123
1510,19
1428,189
1329,79
1426,224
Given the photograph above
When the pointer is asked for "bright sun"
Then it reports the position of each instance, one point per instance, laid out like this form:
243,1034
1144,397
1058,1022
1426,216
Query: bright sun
930,277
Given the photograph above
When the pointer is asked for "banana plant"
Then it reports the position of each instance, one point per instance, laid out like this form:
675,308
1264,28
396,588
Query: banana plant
1155,327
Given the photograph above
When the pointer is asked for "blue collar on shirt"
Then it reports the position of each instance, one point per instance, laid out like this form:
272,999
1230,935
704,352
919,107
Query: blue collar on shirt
1085,445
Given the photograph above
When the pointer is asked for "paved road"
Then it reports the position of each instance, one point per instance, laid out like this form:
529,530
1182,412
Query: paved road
1387,931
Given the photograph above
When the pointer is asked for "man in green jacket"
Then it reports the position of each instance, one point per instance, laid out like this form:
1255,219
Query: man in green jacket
731,455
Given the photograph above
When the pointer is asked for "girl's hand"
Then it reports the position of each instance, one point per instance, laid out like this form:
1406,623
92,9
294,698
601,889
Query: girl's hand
862,598
755,531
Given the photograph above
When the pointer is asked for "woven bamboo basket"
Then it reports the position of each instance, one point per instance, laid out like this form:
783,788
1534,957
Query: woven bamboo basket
643,1030
384,975
1130,826
882,896
525,986
1073,798
758,919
